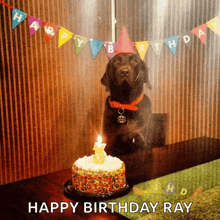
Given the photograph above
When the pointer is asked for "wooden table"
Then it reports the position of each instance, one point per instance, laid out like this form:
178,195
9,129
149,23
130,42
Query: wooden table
140,167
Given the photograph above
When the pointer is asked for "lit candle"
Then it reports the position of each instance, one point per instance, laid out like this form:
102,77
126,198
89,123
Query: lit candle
100,154
99,143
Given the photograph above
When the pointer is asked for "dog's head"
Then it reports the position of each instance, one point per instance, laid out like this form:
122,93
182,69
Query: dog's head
125,71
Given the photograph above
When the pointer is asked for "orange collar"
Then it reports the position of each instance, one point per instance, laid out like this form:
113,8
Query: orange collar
130,106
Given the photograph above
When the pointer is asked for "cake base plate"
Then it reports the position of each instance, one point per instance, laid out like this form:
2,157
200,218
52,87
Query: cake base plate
78,196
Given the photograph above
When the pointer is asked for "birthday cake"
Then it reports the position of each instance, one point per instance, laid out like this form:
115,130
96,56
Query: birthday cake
91,177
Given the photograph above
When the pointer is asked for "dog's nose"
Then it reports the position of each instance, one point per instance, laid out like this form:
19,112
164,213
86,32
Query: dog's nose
124,73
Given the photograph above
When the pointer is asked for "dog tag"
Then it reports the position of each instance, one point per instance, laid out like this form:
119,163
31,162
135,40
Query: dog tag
121,118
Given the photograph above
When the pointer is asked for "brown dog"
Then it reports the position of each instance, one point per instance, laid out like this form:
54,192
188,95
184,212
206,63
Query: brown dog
127,116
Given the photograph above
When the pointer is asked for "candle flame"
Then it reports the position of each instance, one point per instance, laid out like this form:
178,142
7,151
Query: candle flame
99,139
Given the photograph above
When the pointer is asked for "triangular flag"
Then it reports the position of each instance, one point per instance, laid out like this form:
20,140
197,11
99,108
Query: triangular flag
142,48
95,46
124,44
200,32
170,188
172,42
79,43
187,39
155,187
138,191
197,192
50,30
34,24
157,46
110,48
214,25
17,17
64,36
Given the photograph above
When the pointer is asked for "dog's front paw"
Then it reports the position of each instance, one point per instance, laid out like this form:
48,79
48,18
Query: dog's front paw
137,139
132,143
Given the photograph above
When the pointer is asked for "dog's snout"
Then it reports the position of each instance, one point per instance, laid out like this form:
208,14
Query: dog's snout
125,73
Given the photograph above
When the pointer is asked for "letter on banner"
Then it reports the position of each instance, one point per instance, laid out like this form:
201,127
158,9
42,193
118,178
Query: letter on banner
157,46
183,191
34,24
142,48
79,43
64,36
214,25
170,188
95,46
171,42
200,32
17,17
155,187
110,48
50,30
187,39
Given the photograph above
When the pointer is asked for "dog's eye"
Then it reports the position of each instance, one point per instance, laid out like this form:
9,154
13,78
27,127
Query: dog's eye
117,62
134,62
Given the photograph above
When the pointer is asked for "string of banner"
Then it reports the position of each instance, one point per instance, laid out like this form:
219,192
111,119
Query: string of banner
65,35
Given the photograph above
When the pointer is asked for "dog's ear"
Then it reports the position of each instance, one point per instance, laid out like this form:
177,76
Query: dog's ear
105,80
145,73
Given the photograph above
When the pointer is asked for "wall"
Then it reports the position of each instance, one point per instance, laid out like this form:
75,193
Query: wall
185,86
52,101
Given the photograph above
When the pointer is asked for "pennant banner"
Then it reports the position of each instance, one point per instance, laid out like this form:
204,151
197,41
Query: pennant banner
200,32
17,17
214,25
64,36
171,42
110,48
50,30
142,48
157,46
95,46
187,39
79,43
34,24
124,45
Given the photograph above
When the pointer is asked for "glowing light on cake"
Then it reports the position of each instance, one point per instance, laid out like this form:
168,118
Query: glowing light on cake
99,143
100,154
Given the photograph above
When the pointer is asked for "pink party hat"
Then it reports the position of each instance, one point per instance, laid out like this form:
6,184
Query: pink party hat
124,44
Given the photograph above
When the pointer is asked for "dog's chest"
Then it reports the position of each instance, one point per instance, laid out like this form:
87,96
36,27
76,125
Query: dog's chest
121,118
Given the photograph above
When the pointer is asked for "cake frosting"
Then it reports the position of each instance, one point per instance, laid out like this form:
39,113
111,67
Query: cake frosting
98,179
110,164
